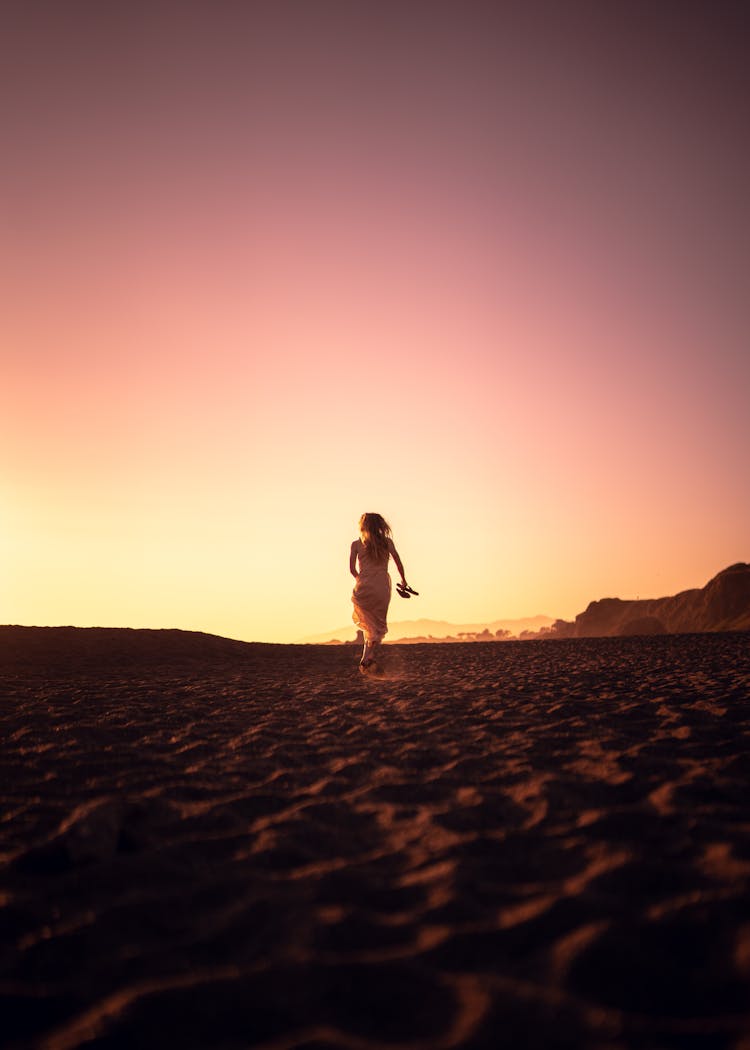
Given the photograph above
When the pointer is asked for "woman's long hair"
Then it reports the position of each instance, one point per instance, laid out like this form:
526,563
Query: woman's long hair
375,532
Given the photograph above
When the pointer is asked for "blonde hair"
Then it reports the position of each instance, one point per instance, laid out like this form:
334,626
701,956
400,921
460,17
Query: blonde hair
375,532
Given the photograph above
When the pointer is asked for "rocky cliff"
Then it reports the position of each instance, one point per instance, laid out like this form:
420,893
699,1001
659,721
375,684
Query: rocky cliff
722,605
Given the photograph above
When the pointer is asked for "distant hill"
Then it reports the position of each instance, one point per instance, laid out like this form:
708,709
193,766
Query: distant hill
722,605
435,630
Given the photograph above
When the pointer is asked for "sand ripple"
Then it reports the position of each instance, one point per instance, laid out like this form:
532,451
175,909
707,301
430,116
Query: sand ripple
533,845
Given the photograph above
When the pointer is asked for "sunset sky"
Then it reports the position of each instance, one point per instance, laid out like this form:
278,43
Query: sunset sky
482,268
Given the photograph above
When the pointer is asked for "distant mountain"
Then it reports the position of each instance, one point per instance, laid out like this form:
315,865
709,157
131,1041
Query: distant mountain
436,630
722,605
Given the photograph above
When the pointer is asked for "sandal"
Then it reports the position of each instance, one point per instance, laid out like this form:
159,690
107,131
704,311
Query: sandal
405,590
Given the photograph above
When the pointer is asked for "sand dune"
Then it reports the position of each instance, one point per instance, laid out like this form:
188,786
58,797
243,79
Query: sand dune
526,845
96,647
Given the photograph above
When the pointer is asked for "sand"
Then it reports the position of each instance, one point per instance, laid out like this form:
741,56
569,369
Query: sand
540,844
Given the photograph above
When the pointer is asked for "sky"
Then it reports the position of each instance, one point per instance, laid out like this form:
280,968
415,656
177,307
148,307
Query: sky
481,268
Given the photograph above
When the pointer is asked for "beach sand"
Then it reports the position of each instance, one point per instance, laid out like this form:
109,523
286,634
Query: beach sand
537,844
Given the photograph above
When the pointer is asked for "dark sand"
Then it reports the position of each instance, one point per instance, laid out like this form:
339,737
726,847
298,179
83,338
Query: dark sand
542,844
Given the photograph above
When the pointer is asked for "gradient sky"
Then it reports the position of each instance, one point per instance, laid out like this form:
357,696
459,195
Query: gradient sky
482,268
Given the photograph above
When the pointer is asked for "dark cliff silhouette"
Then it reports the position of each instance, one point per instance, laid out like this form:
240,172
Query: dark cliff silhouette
722,605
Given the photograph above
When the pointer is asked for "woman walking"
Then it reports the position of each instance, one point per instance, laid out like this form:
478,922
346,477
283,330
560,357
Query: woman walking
368,563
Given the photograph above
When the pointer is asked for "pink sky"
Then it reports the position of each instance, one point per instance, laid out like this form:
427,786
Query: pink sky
270,266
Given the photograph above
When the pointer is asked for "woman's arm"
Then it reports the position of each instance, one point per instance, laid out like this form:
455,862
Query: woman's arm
353,559
399,564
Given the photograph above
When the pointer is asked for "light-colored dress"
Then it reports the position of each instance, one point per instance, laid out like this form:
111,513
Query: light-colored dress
372,594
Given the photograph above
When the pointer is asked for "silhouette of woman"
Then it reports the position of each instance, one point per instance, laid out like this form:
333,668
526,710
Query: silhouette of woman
368,564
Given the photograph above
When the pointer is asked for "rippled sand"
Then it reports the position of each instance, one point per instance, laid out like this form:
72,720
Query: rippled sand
520,844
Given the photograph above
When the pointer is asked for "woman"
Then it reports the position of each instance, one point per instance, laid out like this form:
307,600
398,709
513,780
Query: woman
372,591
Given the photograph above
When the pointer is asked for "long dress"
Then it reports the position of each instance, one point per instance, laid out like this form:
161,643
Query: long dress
372,594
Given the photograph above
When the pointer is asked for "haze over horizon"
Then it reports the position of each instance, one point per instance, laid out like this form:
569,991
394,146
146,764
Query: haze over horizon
481,268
